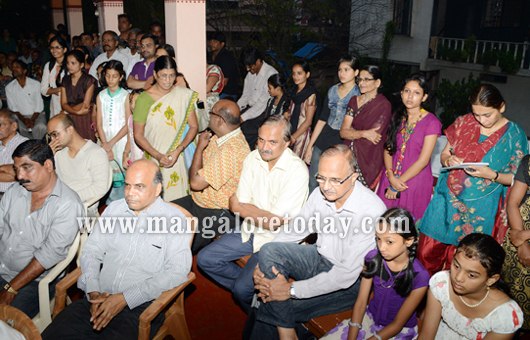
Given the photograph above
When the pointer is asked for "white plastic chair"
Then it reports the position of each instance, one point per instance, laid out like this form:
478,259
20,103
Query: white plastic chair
44,317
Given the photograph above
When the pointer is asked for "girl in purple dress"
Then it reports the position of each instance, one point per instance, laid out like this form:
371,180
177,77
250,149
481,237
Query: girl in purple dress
396,277
407,157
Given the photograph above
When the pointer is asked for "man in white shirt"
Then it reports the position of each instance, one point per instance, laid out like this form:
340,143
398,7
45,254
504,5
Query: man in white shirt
81,164
133,48
24,99
343,213
272,186
9,140
255,88
109,40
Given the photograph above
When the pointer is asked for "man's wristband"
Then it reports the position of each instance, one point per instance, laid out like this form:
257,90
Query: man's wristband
292,293
10,289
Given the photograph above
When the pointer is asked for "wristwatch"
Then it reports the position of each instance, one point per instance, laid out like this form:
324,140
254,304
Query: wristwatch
10,289
292,292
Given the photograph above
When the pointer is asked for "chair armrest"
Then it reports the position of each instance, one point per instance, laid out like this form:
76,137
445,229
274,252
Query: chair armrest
162,302
60,290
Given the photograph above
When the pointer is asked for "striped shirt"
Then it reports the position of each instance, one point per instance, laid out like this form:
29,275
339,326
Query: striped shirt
6,152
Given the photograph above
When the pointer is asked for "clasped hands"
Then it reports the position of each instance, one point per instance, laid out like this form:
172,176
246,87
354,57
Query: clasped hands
277,289
104,307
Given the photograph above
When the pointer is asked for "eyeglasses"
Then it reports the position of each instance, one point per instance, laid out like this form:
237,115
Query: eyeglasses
360,80
216,114
53,134
332,181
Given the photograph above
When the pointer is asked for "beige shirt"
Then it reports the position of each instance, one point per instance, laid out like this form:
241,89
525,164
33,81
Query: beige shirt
281,190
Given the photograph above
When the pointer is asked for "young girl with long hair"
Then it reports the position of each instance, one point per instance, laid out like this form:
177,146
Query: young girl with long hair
326,132
398,281
466,302
112,105
77,94
53,73
303,108
407,157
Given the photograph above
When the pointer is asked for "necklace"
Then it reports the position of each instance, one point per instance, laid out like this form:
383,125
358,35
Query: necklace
476,304
392,278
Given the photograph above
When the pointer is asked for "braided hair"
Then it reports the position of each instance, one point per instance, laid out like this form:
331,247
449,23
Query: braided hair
401,222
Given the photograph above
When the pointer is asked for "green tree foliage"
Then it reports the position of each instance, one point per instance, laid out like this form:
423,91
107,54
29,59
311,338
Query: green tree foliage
453,98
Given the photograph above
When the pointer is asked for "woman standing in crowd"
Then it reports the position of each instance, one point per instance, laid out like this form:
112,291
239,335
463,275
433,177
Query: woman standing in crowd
465,302
365,125
278,104
302,109
326,132
516,269
472,199
407,157
77,95
165,125
53,73
111,105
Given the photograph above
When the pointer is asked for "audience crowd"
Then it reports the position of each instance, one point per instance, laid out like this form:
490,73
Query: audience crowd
112,126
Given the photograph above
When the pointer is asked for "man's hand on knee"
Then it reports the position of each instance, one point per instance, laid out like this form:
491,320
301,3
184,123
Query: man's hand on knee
277,289
107,310
6,298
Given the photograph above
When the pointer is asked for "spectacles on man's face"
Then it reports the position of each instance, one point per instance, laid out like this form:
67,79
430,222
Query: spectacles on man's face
332,181
360,80
216,114
54,134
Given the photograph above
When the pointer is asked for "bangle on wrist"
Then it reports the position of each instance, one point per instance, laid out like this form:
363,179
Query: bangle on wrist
496,176
354,324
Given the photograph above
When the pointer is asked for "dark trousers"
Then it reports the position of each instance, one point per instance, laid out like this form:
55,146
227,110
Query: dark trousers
210,220
74,323
27,299
299,262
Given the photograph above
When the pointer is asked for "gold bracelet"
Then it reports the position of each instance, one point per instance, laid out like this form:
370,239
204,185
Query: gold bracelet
10,289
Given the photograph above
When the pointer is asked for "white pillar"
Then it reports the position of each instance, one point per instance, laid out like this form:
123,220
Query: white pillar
57,12
108,15
186,31
74,14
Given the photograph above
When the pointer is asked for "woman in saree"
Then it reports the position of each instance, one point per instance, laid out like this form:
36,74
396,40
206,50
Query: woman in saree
472,199
165,125
365,125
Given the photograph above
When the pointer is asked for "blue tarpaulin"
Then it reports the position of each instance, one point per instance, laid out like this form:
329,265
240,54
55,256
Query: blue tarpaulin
309,50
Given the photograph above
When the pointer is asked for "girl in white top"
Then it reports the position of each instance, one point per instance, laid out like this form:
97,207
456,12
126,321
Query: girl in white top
53,72
464,303
112,129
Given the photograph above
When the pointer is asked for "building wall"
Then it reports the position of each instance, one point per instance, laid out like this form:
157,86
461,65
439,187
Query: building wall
367,28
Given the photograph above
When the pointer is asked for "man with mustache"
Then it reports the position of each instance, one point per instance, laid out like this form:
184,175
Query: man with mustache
141,76
327,273
272,186
109,41
38,225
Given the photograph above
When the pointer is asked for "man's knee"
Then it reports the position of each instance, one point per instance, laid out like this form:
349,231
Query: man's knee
206,260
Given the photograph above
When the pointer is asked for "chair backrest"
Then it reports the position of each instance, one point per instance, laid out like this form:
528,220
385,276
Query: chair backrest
19,321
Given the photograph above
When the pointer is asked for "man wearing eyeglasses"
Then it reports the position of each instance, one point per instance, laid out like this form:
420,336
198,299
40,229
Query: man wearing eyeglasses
273,185
80,163
214,173
326,274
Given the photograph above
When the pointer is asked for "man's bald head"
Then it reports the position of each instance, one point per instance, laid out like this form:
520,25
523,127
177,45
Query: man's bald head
62,118
229,110
143,185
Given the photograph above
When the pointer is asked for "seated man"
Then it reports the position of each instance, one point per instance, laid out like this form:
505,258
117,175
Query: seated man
327,273
38,225
123,271
214,173
81,164
273,184
25,100
10,139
